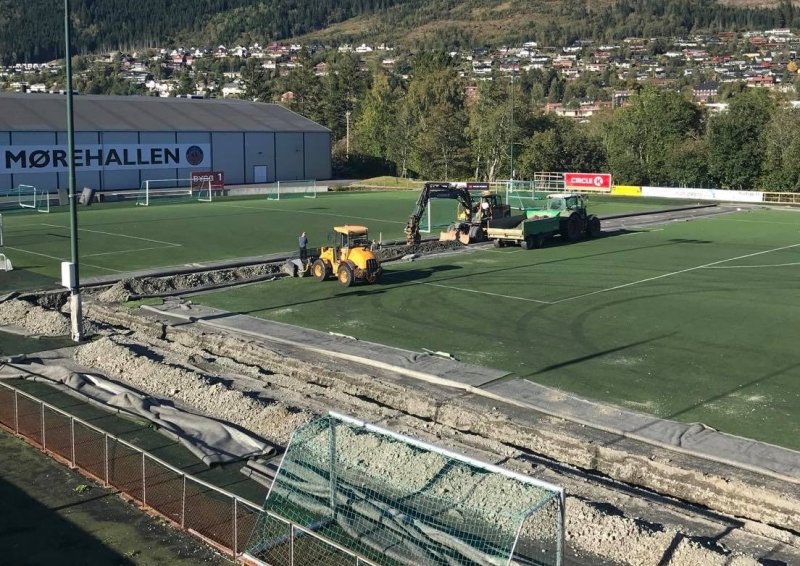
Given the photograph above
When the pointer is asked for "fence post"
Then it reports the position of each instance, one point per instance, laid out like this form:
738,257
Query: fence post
41,416
291,544
106,458
183,504
235,528
16,412
144,482
72,437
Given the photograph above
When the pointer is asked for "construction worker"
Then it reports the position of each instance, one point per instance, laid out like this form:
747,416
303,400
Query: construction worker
302,241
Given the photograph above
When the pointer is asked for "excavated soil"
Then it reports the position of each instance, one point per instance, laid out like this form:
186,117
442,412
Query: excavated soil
271,390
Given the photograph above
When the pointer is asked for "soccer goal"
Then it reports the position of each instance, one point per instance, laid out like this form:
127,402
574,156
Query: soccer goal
350,492
306,188
174,190
521,194
440,214
29,196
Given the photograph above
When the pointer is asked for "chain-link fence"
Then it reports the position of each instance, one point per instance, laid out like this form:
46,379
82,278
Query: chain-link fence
220,518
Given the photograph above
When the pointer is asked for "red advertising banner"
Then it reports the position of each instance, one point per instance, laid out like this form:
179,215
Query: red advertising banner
217,178
587,181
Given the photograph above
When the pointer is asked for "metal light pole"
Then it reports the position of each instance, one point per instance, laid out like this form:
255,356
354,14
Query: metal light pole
511,129
75,290
347,135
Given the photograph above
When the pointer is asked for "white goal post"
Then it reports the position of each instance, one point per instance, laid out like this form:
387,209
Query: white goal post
30,196
306,188
174,189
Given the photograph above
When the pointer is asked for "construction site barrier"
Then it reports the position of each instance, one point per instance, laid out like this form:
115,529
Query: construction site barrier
218,517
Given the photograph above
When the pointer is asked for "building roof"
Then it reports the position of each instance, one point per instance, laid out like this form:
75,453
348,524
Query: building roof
47,112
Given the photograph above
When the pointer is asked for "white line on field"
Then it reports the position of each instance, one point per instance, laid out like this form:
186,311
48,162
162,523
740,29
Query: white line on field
755,221
754,266
128,251
483,292
704,266
60,259
171,244
265,209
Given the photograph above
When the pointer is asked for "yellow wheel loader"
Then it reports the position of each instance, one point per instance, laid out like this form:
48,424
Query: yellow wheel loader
351,260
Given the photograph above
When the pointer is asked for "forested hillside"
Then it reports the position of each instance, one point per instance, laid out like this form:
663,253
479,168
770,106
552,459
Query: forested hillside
32,31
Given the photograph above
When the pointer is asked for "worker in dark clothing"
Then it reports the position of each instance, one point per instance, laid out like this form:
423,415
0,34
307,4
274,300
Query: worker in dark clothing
303,243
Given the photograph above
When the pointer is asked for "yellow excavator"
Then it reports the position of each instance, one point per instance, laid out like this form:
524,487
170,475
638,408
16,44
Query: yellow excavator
351,260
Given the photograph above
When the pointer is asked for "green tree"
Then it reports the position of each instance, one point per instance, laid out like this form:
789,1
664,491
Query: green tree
560,144
782,152
374,127
736,149
305,87
643,138
342,88
436,97
489,130
257,81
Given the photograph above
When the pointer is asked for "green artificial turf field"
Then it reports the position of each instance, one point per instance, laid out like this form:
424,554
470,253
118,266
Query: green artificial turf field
693,321
116,238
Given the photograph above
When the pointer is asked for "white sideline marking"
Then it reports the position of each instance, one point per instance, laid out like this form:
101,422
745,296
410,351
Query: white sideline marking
170,244
754,266
483,293
704,266
61,259
267,209
754,221
129,251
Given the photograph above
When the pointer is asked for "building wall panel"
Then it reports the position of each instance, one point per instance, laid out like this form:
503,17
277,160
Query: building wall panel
259,149
289,161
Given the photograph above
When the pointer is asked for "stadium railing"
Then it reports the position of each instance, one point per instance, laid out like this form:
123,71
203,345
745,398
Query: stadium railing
212,514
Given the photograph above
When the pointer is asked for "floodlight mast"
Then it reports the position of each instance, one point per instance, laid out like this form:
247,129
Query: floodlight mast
75,290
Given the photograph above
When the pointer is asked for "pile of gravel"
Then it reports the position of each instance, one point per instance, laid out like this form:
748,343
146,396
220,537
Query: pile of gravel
391,253
121,359
34,319
123,290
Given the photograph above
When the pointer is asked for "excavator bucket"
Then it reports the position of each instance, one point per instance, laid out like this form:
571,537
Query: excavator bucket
456,233
450,235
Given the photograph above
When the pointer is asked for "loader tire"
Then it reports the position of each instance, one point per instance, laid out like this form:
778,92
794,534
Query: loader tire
593,227
320,270
345,275
574,227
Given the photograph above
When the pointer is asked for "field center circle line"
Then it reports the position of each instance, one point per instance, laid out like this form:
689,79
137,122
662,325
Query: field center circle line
266,209
60,259
512,297
662,276
171,244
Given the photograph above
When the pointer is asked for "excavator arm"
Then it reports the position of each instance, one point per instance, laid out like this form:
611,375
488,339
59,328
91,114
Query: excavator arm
435,191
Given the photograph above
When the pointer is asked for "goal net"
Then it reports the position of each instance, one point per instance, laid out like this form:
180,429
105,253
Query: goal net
348,488
32,197
522,194
439,214
306,188
158,191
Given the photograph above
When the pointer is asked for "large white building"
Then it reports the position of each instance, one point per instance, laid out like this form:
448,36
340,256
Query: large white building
122,141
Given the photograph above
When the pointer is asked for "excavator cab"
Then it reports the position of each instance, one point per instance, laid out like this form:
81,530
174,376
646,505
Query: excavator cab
351,259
